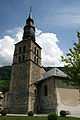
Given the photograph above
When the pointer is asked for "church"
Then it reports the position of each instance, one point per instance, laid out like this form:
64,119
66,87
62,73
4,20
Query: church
31,87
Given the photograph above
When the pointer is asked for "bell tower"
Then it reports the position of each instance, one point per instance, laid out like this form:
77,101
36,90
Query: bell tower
26,70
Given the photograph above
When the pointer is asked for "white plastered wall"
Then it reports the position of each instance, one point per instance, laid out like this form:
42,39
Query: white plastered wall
68,100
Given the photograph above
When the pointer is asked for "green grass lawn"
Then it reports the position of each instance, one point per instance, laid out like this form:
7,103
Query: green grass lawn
34,118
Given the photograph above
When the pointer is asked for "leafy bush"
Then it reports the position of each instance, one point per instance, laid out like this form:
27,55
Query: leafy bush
4,112
63,113
30,113
52,116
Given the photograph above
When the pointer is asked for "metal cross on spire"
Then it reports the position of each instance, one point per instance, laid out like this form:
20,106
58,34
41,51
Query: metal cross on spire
30,15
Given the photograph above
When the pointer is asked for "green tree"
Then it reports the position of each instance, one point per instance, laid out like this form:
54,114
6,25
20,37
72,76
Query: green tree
72,65
4,85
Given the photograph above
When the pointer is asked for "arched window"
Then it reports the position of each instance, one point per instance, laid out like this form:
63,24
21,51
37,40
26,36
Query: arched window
45,90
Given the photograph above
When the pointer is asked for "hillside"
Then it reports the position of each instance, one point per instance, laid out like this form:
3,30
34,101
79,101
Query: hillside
49,68
5,73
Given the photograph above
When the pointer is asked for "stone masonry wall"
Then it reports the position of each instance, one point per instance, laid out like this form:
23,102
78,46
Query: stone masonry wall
25,71
19,91
60,83
35,73
47,103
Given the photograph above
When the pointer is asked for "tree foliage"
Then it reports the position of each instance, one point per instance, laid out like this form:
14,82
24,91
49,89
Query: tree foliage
5,73
4,85
73,63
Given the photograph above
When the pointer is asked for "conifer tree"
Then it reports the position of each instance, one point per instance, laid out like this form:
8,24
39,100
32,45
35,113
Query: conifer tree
72,66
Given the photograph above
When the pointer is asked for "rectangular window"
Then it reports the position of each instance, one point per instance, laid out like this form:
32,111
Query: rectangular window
35,50
45,90
19,49
24,48
37,60
19,59
23,57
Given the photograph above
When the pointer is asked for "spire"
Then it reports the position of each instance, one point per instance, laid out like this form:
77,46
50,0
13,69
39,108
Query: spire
29,29
30,15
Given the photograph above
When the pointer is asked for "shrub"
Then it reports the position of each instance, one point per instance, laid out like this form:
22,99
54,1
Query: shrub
4,112
30,113
63,113
52,116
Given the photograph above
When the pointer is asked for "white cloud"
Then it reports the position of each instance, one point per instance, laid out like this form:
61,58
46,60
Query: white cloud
16,33
48,41
6,50
7,45
38,32
51,53
15,30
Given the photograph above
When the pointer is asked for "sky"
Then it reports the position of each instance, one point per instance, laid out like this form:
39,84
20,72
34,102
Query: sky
56,23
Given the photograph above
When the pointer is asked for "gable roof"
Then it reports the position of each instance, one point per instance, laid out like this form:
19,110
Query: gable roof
54,72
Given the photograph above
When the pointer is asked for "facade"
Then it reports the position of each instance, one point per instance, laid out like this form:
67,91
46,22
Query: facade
31,87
